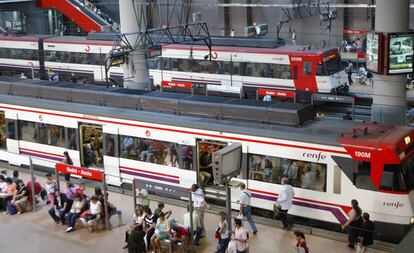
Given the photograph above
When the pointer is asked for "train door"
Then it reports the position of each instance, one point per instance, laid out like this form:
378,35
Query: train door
205,149
303,73
91,145
111,155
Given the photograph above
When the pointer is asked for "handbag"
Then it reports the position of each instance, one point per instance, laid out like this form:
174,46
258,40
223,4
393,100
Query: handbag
217,234
89,216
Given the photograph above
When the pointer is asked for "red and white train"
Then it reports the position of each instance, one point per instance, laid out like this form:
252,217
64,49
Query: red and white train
292,68
329,162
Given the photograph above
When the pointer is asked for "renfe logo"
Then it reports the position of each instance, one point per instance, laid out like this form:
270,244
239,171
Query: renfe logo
361,154
296,59
396,205
317,156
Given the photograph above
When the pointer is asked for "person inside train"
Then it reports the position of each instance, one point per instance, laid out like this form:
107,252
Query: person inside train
20,197
309,179
354,223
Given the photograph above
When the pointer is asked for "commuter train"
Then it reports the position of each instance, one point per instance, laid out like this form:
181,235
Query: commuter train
170,138
247,67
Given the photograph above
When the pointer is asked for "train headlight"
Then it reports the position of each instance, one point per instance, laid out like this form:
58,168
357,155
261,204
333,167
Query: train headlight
412,220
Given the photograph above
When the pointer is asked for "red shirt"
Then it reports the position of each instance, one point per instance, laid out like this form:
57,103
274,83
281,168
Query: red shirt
80,191
302,244
38,187
179,232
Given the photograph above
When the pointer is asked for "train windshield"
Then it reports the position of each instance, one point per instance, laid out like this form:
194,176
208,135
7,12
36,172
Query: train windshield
399,177
329,67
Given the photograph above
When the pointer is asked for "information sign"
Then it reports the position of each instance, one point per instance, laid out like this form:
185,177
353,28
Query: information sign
276,93
79,171
171,84
374,52
333,98
400,53
161,189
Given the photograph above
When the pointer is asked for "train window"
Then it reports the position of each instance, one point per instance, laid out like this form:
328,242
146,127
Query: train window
362,176
98,59
41,133
307,68
224,67
186,155
91,145
398,177
165,64
302,174
184,65
174,64
236,69
11,129
150,151
320,70
110,145
213,67
3,131
279,71
152,63
72,138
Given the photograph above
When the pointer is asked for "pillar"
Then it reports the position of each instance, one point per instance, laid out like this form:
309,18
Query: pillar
136,75
389,93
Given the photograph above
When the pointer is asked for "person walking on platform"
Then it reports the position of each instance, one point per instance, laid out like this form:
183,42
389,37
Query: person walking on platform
284,202
348,71
366,236
245,207
354,222
199,203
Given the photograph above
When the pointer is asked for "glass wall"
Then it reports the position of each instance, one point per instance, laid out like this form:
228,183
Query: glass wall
155,151
41,133
301,174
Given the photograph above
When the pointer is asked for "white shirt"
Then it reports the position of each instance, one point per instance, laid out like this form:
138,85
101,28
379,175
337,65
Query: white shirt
3,187
245,197
95,208
198,198
225,233
286,197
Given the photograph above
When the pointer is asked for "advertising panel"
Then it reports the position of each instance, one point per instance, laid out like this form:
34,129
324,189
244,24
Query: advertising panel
400,53
374,52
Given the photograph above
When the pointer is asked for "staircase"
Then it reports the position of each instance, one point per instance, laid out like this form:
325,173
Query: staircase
83,13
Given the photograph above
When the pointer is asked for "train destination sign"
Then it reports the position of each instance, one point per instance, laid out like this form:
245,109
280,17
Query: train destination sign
79,171
333,98
276,93
171,84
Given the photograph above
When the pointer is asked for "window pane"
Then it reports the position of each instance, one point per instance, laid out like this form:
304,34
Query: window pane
236,69
3,131
129,147
11,129
42,133
301,174
187,157
72,138
307,68
110,145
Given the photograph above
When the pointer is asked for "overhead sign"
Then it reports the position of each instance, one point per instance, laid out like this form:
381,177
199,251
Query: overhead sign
171,84
333,98
400,53
374,52
161,189
276,93
79,171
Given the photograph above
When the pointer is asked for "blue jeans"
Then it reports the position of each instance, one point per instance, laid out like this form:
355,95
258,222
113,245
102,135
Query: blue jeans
222,245
247,212
72,219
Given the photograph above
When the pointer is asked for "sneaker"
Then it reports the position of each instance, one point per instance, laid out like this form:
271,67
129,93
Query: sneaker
255,232
18,213
69,229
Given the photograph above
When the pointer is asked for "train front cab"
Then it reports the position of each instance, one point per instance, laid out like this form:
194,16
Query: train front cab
382,168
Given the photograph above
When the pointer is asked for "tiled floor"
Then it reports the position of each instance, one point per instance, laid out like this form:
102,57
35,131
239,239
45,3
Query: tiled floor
37,233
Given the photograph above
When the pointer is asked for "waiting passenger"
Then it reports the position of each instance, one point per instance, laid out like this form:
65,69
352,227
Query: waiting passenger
150,221
75,212
112,210
92,217
68,161
61,208
159,209
136,243
160,233
15,177
3,185
300,246
178,234
138,220
70,191
81,191
21,196
37,191
50,188
222,233
240,236
8,195
366,236
354,222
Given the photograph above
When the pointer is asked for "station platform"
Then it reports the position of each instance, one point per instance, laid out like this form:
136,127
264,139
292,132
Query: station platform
36,232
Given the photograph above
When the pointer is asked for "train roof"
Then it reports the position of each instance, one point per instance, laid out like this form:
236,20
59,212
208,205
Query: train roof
323,131
200,112
57,39
287,49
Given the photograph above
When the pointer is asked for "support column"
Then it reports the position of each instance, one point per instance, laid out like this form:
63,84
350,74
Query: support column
136,75
389,92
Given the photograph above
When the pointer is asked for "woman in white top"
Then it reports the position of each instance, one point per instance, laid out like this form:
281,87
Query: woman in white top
137,221
50,188
93,215
75,211
222,233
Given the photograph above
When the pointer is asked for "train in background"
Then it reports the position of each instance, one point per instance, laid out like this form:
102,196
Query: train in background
329,162
235,63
